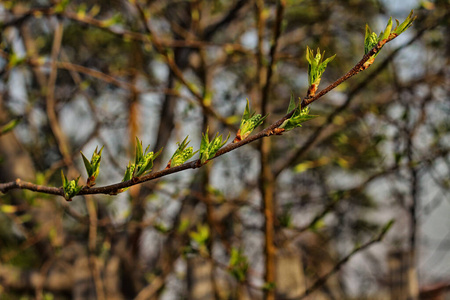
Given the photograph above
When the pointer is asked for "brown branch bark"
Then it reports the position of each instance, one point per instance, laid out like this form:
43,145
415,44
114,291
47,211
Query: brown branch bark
266,177
268,131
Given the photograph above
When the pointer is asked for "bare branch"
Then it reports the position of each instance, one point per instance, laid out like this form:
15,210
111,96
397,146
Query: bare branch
320,282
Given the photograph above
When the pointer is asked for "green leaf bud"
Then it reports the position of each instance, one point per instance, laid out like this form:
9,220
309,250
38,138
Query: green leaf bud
143,160
182,154
93,166
249,122
399,29
299,116
238,264
71,188
316,67
209,149
371,39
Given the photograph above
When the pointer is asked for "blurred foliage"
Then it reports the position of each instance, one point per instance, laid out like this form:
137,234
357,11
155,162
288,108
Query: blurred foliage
380,142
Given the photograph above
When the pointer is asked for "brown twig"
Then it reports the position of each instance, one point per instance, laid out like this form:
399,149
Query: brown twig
176,70
320,282
266,177
360,66
317,133
51,102
118,31
269,131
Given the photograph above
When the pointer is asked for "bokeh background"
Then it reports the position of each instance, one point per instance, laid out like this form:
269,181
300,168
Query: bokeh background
82,74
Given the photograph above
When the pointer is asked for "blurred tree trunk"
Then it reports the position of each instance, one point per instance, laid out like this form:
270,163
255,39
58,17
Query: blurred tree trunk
403,276
290,278
199,278
84,288
17,163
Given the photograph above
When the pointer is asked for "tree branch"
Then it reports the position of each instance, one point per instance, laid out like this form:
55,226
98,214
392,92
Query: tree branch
320,282
269,131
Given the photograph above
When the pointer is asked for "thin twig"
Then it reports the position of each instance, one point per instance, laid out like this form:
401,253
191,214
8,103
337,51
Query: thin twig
51,102
170,60
266,179
321,281
269,131
120,31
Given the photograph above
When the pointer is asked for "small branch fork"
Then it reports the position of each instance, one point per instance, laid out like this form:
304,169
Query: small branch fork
320,282
272,129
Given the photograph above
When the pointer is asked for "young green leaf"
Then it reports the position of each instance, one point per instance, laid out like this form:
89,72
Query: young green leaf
61,6
316,67
143,160
128,175
299,116
139,152
113,20
399,29
15,60
268,286
9,126
129,172
371,39
292,103
93,166
209,149
161,228
385,34
238,264
71,188
201,238
250,120
182,154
